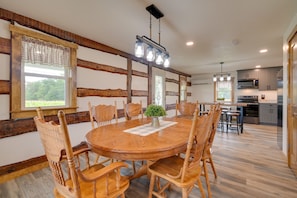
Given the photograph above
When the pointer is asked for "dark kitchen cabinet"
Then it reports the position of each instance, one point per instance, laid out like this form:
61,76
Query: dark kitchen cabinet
248,74
268,113
267,79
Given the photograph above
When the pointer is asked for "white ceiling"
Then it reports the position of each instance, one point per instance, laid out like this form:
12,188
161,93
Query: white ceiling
232,31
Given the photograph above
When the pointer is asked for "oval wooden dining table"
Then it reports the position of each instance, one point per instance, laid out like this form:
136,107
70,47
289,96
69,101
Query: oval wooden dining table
111,140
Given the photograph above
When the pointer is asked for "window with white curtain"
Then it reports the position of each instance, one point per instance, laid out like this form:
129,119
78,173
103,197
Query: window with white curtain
45,74
224,91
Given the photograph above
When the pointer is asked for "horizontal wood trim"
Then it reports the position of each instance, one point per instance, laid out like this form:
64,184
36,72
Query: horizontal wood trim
83,92
5,46
40,36
170,106
27,166
171,80
71,37
139,93
57,32
189,94
4,86
100,67
140,74
23,114
189,84
20,126
172,93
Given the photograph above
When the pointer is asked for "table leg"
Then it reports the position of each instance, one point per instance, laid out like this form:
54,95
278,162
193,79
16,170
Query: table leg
143,170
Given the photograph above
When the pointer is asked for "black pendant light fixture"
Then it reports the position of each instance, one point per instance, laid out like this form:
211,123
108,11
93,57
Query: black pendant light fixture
147,48
222,75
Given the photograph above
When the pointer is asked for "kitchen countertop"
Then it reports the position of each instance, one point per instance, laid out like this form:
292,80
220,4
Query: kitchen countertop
224,104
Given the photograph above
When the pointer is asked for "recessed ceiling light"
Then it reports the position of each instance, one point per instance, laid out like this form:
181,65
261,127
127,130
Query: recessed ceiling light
263,51
258,66
189,43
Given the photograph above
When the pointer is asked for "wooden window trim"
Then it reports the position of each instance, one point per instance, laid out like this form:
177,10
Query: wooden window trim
15,100
232,90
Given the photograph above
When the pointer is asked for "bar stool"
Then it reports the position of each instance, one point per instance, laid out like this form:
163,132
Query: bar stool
233,119
223,118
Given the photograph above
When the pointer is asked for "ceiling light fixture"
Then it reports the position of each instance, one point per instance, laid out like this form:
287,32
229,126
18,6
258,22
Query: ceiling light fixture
190,43
263,51
152,50
221,75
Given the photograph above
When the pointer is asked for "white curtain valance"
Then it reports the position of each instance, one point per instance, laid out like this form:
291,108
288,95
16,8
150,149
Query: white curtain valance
46,53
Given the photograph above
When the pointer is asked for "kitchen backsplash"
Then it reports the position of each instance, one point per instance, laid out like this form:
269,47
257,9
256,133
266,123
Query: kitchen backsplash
264,96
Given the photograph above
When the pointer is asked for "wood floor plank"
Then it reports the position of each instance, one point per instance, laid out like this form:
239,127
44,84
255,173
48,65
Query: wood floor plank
248,165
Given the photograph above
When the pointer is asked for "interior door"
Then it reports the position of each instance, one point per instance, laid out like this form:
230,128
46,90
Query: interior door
292,105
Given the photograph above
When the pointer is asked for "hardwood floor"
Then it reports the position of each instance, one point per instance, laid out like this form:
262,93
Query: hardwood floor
248,165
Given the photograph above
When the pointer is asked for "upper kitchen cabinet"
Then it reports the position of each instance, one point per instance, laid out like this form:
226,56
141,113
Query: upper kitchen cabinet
248,74
267,80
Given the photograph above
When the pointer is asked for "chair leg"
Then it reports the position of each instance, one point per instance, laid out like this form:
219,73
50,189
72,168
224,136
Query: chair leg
201,188
212,166
134,167
206,177
152,183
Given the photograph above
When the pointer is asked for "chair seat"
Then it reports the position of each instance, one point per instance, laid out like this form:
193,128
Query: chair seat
168,167
87,187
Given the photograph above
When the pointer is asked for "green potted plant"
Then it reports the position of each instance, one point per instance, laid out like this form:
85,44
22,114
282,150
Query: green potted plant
155,111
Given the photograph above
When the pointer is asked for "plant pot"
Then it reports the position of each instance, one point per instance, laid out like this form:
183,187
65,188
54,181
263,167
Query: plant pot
155,122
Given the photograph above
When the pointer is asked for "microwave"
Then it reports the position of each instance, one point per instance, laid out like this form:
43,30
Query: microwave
248,84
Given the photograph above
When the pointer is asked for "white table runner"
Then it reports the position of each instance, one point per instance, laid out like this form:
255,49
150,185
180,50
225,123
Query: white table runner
148,129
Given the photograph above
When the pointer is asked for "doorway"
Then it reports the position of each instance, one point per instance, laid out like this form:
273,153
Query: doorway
292,104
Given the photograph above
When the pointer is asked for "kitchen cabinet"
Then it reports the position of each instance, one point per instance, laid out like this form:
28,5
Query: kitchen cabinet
267,80
268,113
248,74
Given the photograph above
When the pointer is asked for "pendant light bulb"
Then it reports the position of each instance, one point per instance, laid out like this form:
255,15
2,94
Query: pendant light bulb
159,58
166,61
139,49
150,54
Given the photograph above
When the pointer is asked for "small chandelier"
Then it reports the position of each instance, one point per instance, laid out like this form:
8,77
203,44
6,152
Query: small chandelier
146,47
221,76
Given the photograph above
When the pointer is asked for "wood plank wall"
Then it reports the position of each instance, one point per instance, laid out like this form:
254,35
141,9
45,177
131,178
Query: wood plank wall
16,127
20,126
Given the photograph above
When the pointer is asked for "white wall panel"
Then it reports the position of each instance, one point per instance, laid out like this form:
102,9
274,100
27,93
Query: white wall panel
172,75
4,29
171,86
203,93
88,78
171,99
4,107
5,67
139,83
139,66
82,102
96,56
142,99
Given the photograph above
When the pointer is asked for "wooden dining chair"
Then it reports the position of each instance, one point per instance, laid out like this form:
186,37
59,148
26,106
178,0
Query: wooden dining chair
102,115
185,171
207,153
89,181
132,110
185,108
